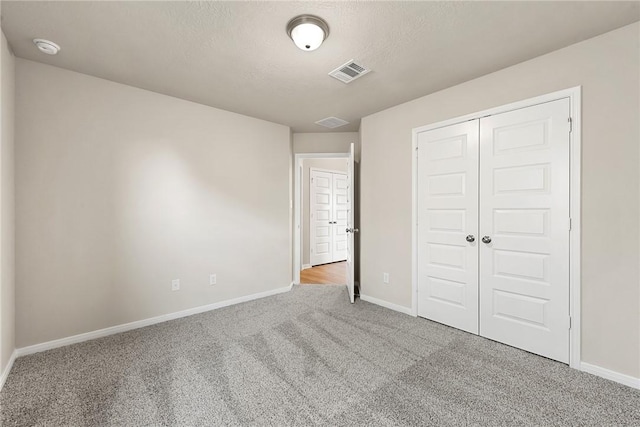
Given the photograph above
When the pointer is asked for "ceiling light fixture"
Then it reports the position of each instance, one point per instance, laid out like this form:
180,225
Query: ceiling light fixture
46,46
308,31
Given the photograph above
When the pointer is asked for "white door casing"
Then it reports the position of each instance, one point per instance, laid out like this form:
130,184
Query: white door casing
320,227
350,227
568,315
523,240
524,210
298,209
447,217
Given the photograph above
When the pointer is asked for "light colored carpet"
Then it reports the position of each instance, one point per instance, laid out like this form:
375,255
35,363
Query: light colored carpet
305,358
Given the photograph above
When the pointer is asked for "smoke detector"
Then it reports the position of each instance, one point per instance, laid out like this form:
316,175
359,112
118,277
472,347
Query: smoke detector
349,71
332,122
46,46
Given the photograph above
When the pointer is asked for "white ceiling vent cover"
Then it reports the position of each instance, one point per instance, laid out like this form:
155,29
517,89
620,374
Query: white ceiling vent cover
349,71
332,122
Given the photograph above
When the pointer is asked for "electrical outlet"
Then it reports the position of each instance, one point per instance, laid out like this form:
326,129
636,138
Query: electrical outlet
213,279
175,285
385,277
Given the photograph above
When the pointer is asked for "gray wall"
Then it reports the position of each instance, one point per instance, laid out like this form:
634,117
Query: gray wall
331,164
608,69
7,218
121,190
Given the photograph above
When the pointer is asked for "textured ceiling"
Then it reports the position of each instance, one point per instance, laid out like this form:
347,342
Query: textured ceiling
238,57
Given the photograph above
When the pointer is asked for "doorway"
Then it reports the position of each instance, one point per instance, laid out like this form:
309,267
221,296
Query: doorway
337,231
320,248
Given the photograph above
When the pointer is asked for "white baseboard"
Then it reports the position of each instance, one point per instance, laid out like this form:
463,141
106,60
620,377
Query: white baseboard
7,369
389,305
49,345
305,266
627,380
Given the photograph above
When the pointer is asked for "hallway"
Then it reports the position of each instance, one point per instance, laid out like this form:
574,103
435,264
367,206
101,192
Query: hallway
326,274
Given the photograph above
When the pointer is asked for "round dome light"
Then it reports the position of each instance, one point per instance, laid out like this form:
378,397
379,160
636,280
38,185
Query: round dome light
308,31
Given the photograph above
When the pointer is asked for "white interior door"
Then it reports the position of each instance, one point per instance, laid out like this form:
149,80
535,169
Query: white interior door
524,216
448,225
320,221
350,227
340,216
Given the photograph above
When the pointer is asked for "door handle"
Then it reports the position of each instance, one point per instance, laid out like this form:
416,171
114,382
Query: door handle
352,230
470,238
486,239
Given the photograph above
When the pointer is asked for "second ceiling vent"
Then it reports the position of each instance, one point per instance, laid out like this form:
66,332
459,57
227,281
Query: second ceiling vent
349,71
332,122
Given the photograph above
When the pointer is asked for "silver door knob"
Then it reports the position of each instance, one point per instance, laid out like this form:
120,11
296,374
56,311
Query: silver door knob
470,238
352,230
486,239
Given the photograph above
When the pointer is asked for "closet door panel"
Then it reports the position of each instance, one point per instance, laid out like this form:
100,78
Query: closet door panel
524,211
447,214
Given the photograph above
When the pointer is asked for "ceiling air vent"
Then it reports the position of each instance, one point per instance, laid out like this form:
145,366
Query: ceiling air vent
332,122
350,71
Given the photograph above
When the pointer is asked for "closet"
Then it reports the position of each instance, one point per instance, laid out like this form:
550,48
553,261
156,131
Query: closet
329,210
493,227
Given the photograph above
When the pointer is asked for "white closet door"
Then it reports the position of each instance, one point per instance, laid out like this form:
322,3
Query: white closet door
524,211
340,216
320,222
447,215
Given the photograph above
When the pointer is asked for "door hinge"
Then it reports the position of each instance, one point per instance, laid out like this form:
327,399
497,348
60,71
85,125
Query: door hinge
569,322
569,224
570,125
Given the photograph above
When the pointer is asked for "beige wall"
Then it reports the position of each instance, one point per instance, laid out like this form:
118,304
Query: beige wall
7,229
608,69
339,165
332,142
121,190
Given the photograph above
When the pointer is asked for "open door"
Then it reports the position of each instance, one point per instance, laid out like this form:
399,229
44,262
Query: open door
351,230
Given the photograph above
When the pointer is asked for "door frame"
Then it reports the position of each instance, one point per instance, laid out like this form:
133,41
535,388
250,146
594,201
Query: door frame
311,170
575,150
297,205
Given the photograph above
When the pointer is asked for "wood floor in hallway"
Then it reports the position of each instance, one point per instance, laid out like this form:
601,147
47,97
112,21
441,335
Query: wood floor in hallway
326,274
